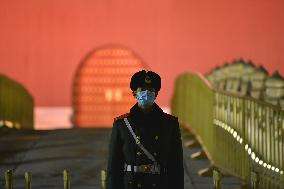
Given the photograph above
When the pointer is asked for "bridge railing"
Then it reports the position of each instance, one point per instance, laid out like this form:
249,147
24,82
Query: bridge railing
28,179
240,135
66,179
16,104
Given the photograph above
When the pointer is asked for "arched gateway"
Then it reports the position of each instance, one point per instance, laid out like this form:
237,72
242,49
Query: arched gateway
101,86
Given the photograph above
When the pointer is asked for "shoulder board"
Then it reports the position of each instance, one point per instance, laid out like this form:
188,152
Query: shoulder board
170,116
121,116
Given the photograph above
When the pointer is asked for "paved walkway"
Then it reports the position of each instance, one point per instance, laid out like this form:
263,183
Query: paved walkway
82,151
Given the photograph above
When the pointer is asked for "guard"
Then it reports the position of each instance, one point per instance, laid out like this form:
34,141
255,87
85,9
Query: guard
145,149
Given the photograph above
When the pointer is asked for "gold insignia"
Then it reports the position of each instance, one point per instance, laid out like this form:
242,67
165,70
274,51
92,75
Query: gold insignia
146,168
148,79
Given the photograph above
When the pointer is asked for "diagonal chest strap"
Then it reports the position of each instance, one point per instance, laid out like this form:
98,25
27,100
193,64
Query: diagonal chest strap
147,153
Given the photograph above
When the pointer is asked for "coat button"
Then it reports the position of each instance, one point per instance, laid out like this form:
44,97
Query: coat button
139,185
153,184
156,137
138,153
155,154
129,182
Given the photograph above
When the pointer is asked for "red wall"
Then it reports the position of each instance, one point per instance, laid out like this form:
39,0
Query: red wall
42,42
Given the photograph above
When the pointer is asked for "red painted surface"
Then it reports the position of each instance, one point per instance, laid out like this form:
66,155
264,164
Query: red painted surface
42,42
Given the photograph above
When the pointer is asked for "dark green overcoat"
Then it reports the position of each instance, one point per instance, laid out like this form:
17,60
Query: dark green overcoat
159,133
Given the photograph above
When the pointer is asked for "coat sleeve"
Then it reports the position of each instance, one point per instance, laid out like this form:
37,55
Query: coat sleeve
115,165
175,168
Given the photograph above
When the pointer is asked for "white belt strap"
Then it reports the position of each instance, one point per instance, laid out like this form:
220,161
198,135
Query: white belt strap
153,169
148,154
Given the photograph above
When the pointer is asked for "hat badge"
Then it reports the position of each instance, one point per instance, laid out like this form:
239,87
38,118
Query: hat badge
147,79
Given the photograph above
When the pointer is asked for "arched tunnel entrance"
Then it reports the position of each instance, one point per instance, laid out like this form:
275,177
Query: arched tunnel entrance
100,90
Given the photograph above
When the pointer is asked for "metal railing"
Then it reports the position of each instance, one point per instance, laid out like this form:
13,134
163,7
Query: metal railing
66,179
28,179
240,135
16,105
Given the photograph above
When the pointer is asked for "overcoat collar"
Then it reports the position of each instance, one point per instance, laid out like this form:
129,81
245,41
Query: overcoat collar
137,112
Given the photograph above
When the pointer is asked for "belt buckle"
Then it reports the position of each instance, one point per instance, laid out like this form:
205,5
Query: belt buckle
147,168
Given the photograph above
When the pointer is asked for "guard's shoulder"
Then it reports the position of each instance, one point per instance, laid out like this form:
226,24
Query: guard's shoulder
121,116
171,117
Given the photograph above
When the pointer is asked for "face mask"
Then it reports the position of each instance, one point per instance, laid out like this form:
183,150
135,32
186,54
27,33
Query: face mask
145,98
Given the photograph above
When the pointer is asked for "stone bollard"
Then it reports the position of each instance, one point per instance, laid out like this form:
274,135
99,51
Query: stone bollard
216,179
103,178
66,179
9,179
28,179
